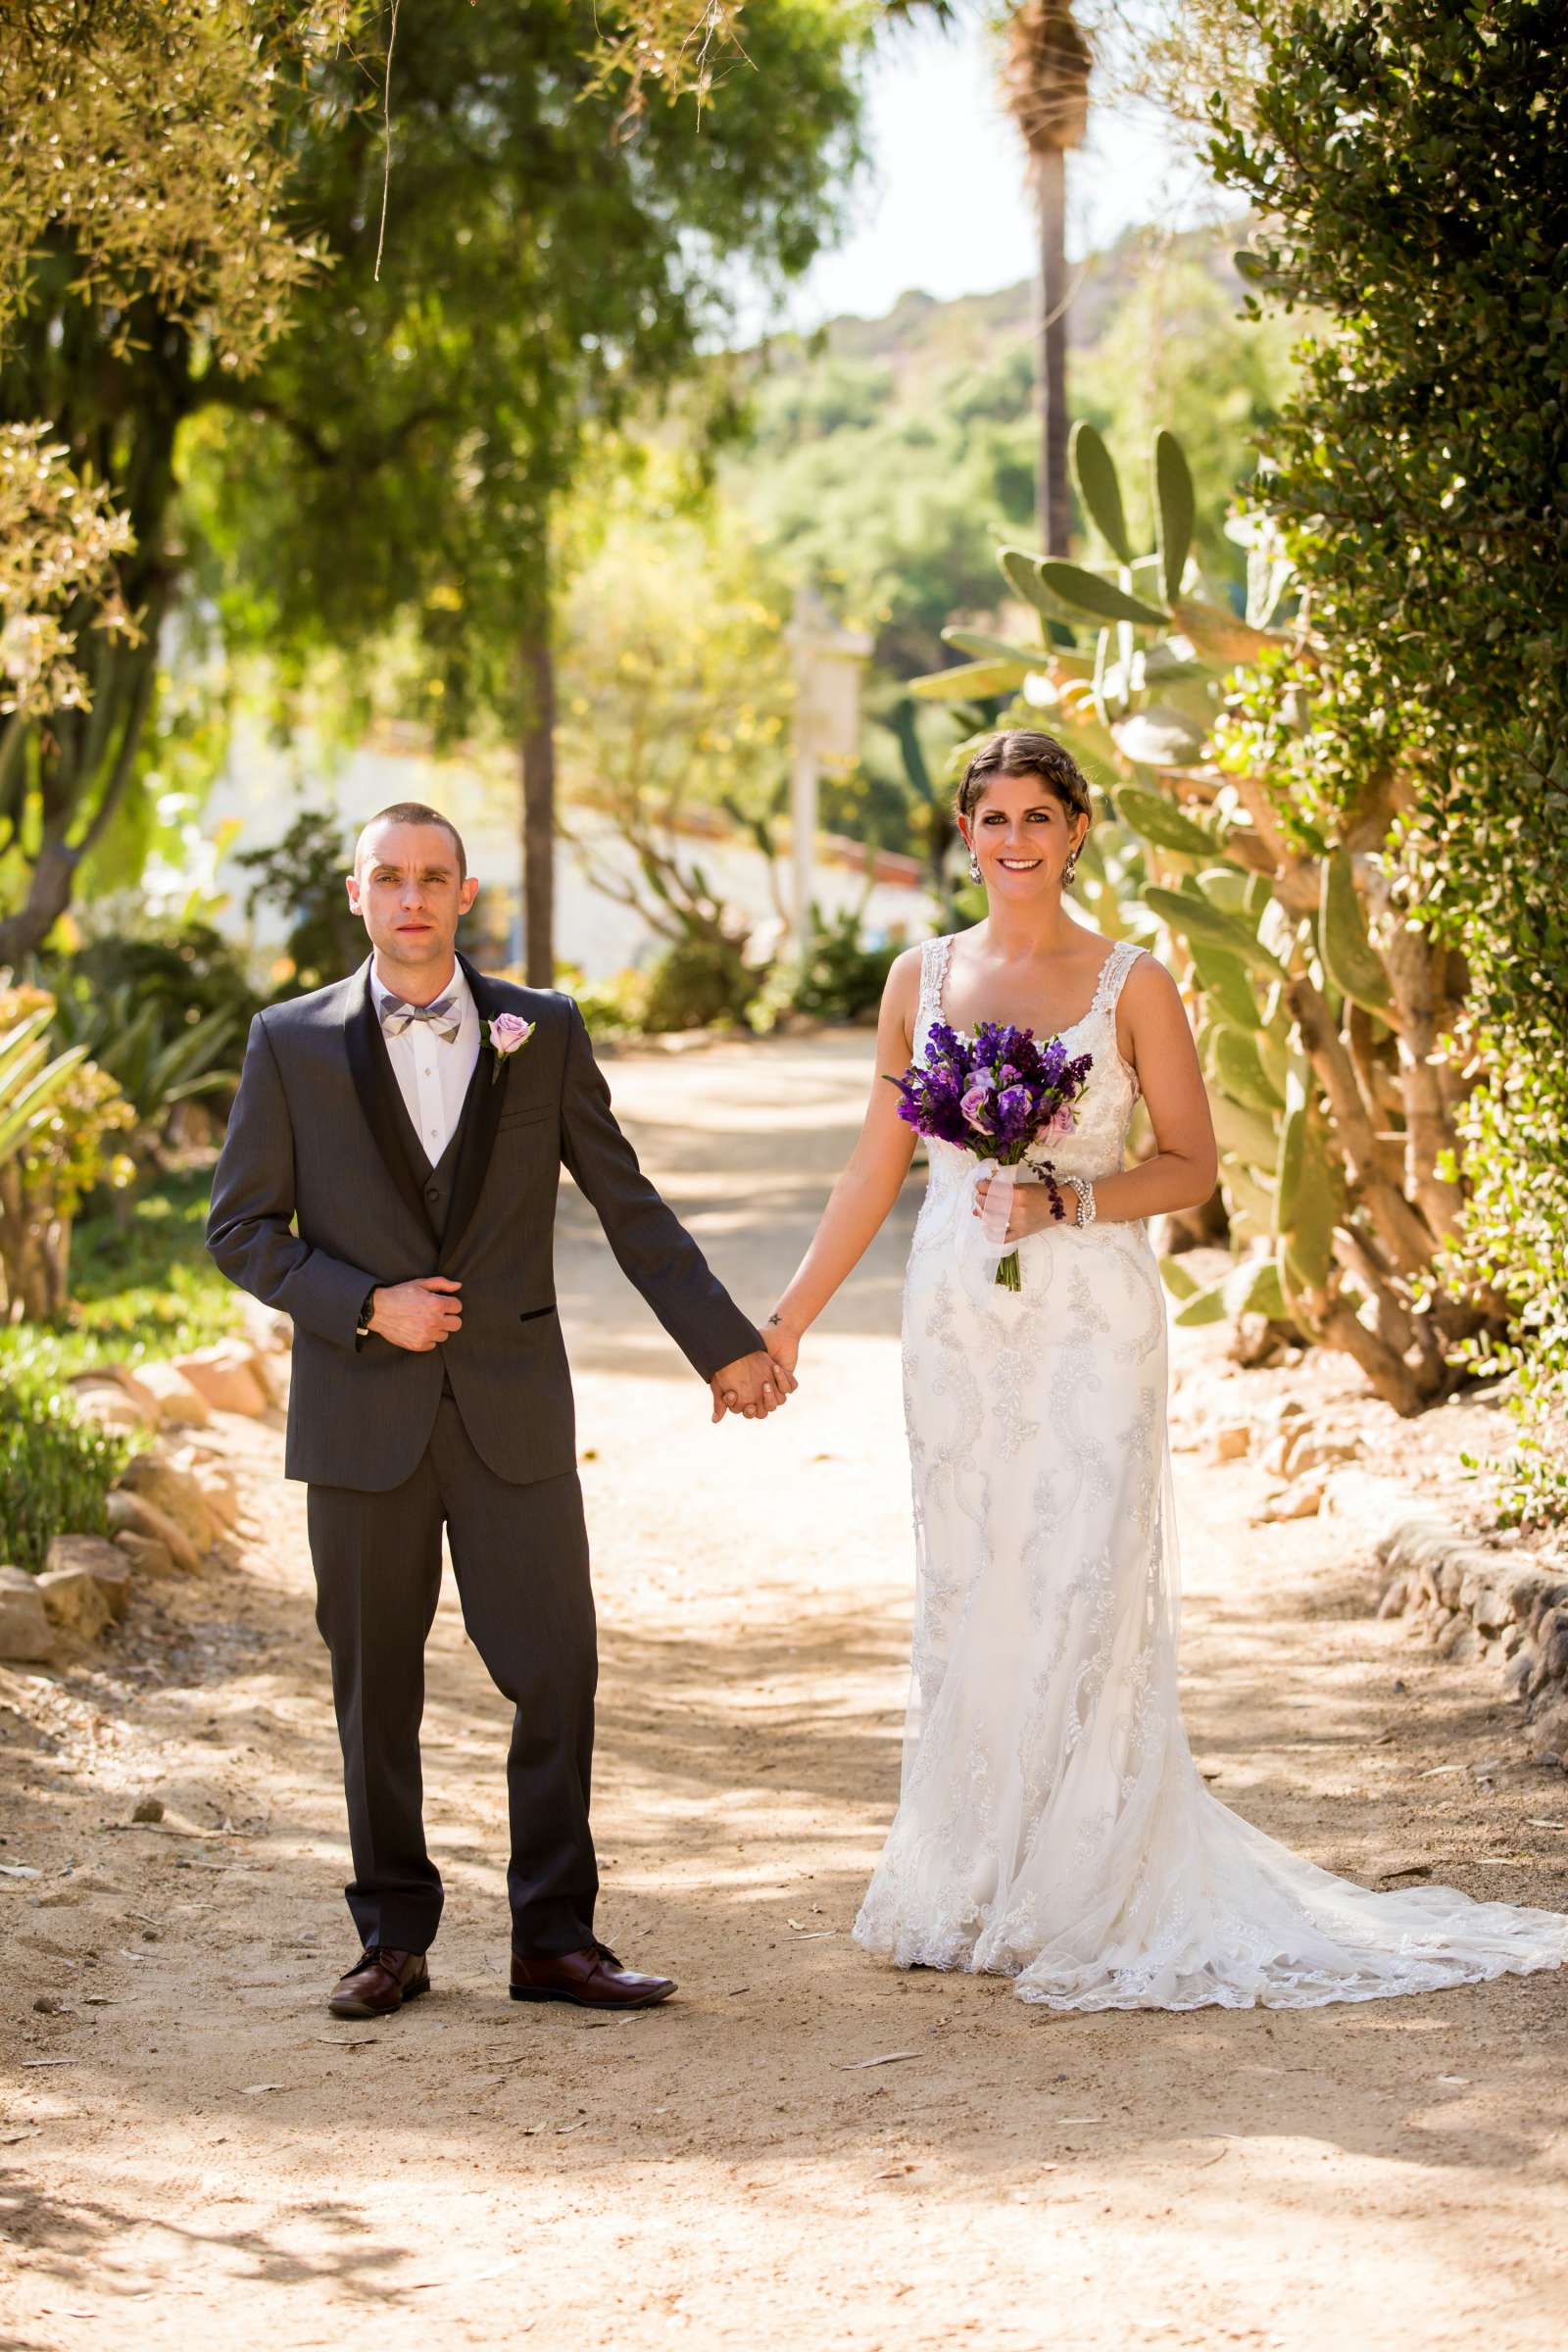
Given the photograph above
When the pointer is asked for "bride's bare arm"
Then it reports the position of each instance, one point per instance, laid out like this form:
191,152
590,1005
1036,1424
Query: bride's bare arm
869,1185
1179,1173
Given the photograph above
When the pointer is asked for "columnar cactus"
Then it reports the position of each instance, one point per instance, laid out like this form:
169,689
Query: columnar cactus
1320,1008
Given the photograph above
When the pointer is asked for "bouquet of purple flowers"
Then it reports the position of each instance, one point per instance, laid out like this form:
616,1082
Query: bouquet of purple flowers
996,1094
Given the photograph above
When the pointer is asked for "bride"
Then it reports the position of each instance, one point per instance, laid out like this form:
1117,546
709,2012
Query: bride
1052,1824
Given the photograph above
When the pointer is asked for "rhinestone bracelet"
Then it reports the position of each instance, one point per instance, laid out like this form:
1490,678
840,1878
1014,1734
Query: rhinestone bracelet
1086,1200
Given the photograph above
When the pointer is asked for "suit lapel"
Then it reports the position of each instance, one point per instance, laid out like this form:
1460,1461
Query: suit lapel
377,1090
481,1113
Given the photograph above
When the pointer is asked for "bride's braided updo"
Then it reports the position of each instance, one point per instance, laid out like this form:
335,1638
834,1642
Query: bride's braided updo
1026,751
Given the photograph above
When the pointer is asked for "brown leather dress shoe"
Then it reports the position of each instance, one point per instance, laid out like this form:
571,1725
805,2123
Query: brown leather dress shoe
593,1978
379,1982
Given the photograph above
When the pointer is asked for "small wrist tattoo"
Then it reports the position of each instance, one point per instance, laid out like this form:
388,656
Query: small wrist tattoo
776,1319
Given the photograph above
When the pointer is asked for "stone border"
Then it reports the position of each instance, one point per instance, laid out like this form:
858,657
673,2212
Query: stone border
1466,1600
174,1504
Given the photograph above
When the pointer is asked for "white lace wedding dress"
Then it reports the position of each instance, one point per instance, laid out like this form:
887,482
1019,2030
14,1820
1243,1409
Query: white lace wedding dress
1052,1824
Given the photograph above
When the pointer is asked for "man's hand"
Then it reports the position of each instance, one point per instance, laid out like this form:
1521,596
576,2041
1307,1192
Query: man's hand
753,1387
417,1315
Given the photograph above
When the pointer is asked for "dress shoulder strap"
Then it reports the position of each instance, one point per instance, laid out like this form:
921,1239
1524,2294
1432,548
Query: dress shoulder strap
1113,974
933,972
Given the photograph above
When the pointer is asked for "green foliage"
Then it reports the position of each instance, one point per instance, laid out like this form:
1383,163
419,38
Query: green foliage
890,462
1411,159
700,982
55,1473
155,1057
184,967
65,1140
840,978
613,1009
459,421
301,875
30,1073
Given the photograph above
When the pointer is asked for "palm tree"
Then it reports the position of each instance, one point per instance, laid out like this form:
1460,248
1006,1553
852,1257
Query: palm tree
1044,83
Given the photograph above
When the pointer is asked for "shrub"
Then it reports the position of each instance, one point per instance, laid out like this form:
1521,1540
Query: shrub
55,1473
68,1148
612,1008
699,983
840,978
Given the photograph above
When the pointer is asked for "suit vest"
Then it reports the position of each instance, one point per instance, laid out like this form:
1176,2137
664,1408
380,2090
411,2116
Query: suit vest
434,1180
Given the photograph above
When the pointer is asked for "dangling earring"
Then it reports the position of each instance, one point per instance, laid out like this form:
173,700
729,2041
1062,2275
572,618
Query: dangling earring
974,867
1069,869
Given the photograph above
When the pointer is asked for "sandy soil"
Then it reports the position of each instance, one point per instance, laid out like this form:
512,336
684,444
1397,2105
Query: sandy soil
806,2149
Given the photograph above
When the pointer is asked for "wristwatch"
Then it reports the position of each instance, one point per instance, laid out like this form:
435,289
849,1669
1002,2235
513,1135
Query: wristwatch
362,1327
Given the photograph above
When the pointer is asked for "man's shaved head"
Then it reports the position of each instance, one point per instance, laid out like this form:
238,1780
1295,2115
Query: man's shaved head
410,813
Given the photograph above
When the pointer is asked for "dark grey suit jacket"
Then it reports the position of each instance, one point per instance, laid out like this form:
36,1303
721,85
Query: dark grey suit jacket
315,1201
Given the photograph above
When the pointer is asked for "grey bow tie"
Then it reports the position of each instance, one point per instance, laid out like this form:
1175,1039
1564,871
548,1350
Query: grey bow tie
396,1014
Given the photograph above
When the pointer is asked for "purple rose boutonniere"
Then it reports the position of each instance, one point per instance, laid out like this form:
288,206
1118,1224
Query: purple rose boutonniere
509,1031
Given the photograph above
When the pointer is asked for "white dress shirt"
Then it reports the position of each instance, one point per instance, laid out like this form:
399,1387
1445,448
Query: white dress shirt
432,1072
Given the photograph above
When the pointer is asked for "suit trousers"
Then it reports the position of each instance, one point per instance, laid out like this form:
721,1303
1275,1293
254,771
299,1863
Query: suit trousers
520,1558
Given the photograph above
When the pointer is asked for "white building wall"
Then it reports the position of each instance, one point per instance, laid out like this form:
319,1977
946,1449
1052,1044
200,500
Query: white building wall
262,792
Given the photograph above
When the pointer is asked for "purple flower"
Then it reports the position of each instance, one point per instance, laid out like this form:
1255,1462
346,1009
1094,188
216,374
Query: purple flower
994,1093
507,1032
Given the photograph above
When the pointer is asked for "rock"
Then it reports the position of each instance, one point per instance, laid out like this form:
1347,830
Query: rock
26,1632
179,1403
1458,1639
150,1808
1547,1736
1527,1595
1516,1675
1319,1452
1232,1439
219,1491
1491,1611
97,1558
77,1600
270,1332
226,1376
1277,1454
1553,1655
1303,1501
132,1513
1394,1599
1256,1342
105,1403
119,1381
173,1489
1285,1408
49,2004
146,1554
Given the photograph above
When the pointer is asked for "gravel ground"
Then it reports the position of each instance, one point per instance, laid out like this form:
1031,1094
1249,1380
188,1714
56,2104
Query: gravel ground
806,2149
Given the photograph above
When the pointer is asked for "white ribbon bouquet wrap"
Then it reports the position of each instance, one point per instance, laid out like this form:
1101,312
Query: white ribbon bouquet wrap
981,1239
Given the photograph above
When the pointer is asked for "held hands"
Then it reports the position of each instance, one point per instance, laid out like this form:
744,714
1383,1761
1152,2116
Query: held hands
417,1315
752,1386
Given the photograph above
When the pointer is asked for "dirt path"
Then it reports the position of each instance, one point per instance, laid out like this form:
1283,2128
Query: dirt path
194,2154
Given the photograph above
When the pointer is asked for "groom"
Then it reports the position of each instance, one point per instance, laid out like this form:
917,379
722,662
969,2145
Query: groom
389,1180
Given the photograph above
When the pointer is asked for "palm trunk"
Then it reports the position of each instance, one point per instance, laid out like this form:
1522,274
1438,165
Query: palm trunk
1052,496
538,769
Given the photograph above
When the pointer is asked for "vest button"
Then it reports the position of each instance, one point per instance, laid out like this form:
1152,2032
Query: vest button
432,1191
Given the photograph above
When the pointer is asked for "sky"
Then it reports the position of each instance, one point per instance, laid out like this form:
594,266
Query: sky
944,207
